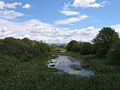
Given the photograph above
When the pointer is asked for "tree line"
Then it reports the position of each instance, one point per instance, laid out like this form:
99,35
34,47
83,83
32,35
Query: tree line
105,45
21,49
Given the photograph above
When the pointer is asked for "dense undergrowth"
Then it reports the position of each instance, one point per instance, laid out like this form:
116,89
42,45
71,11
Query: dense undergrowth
21,49
18,73
98,65
35,75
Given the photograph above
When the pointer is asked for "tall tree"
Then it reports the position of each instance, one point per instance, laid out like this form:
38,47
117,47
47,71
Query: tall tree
104,40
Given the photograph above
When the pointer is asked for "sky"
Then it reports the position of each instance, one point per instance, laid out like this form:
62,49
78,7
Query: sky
58,21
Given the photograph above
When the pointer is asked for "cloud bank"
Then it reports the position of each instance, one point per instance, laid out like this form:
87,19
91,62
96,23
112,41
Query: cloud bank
37,30
41,31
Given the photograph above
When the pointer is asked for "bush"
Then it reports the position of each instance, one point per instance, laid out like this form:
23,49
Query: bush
22,49
114,54
86,48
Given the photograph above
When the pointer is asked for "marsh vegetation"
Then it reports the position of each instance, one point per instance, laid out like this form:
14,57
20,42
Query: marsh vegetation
23,64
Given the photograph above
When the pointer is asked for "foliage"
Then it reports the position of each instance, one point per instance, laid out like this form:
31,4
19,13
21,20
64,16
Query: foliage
63,46
53,46
84,48
71,44
23,49
104,40
76,47
35,75
114,53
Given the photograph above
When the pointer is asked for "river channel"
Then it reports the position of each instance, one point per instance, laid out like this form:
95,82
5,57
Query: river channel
69,65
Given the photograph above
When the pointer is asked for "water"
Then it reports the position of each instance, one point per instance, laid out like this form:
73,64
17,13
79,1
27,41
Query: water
69,65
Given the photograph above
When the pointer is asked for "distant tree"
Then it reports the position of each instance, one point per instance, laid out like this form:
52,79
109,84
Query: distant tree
104,40
114,53
86,48
63,46
71,44
76,47
53,46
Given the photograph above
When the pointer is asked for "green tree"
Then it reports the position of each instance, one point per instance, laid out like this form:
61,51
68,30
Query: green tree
114,53
71,44
76,47
86,48
104,40
53,46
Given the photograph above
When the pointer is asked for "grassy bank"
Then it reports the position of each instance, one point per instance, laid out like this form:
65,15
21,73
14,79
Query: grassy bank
98,65
35,75
21,75
101,66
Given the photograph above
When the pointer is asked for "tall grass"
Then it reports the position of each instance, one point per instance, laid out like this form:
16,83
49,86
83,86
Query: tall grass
35,75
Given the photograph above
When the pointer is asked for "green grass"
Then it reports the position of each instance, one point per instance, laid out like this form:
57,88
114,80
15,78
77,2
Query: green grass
35,75
98,65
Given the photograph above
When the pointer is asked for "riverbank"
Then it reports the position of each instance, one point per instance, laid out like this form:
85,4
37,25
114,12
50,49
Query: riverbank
98,65
35,75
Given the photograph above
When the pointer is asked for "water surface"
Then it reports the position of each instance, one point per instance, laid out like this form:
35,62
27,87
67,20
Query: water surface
69,65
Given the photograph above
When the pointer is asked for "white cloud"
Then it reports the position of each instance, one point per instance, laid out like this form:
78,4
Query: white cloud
37,30
72,20
87,3
13,5
26,6
2,4
7,10
117,28
10,14
69,13
66,6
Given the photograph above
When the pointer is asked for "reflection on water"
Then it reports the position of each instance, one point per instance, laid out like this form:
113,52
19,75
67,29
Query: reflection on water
69,65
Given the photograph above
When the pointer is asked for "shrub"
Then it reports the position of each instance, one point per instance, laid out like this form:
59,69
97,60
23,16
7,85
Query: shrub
22,49
114,54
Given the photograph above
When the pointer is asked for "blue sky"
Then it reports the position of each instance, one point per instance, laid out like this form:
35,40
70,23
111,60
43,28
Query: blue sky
77,19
